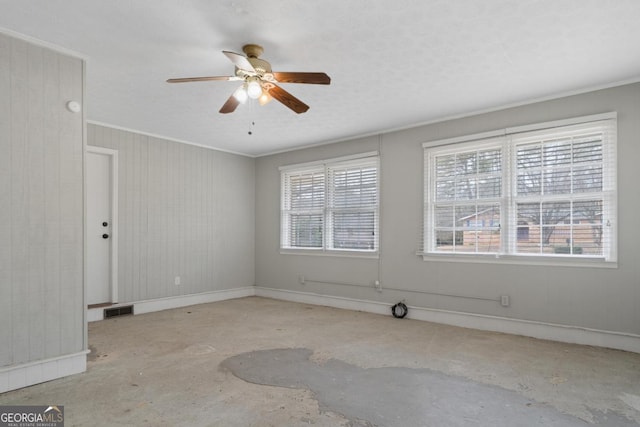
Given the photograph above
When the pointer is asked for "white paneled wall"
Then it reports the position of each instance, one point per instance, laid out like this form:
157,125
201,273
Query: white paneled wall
183,211
41,206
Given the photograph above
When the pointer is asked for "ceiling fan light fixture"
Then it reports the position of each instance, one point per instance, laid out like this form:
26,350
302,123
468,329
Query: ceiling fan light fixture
254,89
241,94
264,98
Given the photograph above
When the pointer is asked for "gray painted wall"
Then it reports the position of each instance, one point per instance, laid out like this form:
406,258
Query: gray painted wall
605,299
41,204
183,211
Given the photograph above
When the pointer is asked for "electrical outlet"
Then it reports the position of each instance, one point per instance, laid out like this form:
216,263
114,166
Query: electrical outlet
378,286
301,279
504,300
177,281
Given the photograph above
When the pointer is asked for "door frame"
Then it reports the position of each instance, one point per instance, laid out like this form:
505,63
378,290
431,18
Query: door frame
113,154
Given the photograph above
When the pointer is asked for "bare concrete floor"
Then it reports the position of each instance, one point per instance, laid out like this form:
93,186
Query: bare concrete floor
261,362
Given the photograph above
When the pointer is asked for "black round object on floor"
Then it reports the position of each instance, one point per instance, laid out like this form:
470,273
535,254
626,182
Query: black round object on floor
399,310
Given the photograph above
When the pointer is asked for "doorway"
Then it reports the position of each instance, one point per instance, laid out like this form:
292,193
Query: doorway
101,225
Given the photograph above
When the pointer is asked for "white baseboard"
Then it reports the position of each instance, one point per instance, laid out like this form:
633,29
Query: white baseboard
15,377
148,306
547,331
95,314
19,376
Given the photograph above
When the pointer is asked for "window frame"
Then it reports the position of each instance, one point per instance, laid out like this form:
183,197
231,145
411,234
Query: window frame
511,138
327,166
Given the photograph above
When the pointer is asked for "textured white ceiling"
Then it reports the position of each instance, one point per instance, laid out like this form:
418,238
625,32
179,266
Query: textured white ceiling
392,63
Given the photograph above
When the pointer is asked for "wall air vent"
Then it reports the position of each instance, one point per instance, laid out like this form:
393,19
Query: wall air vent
118,311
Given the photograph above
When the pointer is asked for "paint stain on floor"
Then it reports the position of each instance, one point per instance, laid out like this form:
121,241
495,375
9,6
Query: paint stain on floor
398,396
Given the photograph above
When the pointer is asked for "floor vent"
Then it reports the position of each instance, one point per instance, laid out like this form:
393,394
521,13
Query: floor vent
118,311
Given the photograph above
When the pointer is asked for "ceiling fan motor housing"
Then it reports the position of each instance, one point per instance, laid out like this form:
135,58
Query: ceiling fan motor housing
253,51
261,66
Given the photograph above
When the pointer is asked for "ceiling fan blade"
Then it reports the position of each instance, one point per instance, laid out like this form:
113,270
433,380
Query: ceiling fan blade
288,100
239,61
203,79
230,106
312,78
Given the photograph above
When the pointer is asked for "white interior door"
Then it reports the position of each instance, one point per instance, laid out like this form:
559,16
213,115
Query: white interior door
100,227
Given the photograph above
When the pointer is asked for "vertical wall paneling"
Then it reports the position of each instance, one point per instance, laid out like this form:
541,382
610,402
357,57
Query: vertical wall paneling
71,76
129,217
19,194
6,182
54,231
35,204
144,215
41,214
185,212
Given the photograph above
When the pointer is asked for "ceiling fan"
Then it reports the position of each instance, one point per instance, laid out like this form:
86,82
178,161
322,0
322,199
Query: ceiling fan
259,81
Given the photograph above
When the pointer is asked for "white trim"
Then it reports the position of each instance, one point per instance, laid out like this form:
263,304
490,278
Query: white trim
114,225
541,330
513,259
24,375
562,123
85,324
474,137
324,300
94,314
114,214
167,138
360,156
331,252
520,129
43,43
149,306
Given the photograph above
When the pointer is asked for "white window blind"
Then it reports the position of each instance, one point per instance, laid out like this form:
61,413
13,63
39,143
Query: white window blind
303,210
467,199
549,192
333,206
564,195
353,206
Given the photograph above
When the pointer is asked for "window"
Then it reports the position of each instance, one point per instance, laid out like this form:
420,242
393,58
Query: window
305,192
331,205
467,189
524,192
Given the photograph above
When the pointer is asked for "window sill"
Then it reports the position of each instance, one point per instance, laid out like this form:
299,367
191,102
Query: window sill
547,261
330,253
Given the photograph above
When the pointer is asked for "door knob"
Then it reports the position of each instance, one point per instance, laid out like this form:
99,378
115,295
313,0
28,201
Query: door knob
105,236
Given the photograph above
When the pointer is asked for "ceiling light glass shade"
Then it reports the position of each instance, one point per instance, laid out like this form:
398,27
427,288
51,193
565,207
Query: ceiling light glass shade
254,89
264,98
240,94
